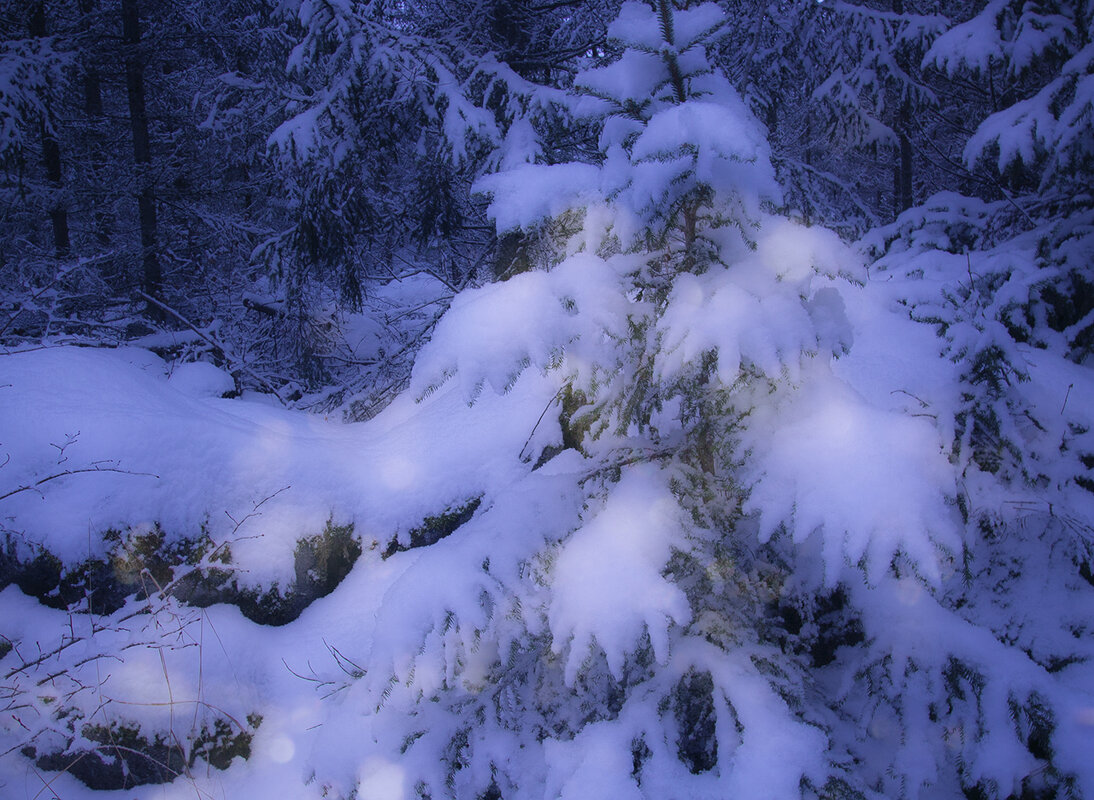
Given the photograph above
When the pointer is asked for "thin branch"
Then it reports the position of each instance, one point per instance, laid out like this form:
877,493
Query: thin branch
543,413
32,486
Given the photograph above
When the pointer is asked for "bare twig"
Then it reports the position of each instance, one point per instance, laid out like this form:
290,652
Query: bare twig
34,486
543,413
70,439
353,670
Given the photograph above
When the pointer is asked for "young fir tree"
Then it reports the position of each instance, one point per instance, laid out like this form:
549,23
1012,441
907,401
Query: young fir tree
777,57
874,97
725,569
604,625
375,146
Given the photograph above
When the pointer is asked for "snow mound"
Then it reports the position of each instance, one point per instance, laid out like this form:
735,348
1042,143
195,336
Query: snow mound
201,379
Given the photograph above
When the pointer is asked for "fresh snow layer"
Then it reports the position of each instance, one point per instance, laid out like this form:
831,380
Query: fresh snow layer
139,449
609,586
133,447
850,453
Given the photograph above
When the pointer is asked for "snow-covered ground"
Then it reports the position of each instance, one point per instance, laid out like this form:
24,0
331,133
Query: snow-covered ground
135,446
115,440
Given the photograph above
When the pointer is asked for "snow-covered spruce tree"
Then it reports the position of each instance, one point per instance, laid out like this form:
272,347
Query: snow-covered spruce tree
317,114
1008,660
1033,63
386,114
604,625
373,148
1006,283
1015,267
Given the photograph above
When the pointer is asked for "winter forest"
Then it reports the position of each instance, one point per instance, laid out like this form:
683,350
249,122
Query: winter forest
553,399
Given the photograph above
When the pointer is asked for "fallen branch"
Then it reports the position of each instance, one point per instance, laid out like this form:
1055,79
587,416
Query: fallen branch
212,341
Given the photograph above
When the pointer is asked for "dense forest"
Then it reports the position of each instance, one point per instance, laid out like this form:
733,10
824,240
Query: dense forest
498,399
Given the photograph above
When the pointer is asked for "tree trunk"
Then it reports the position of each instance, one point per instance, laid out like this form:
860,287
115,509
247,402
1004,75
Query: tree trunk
93,95
690,225
93,111
142,154
58,215
51,152
902,165
906,197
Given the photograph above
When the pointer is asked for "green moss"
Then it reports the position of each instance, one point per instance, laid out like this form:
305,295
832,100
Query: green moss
574,427
138,563
321,562
142,562
125,757
435,528
224,743
41,577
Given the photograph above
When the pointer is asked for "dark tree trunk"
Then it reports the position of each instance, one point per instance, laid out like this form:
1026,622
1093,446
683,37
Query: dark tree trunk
58,215
51,152
896,183
142,154
906,196
808,155
902,165
93,111
93,94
